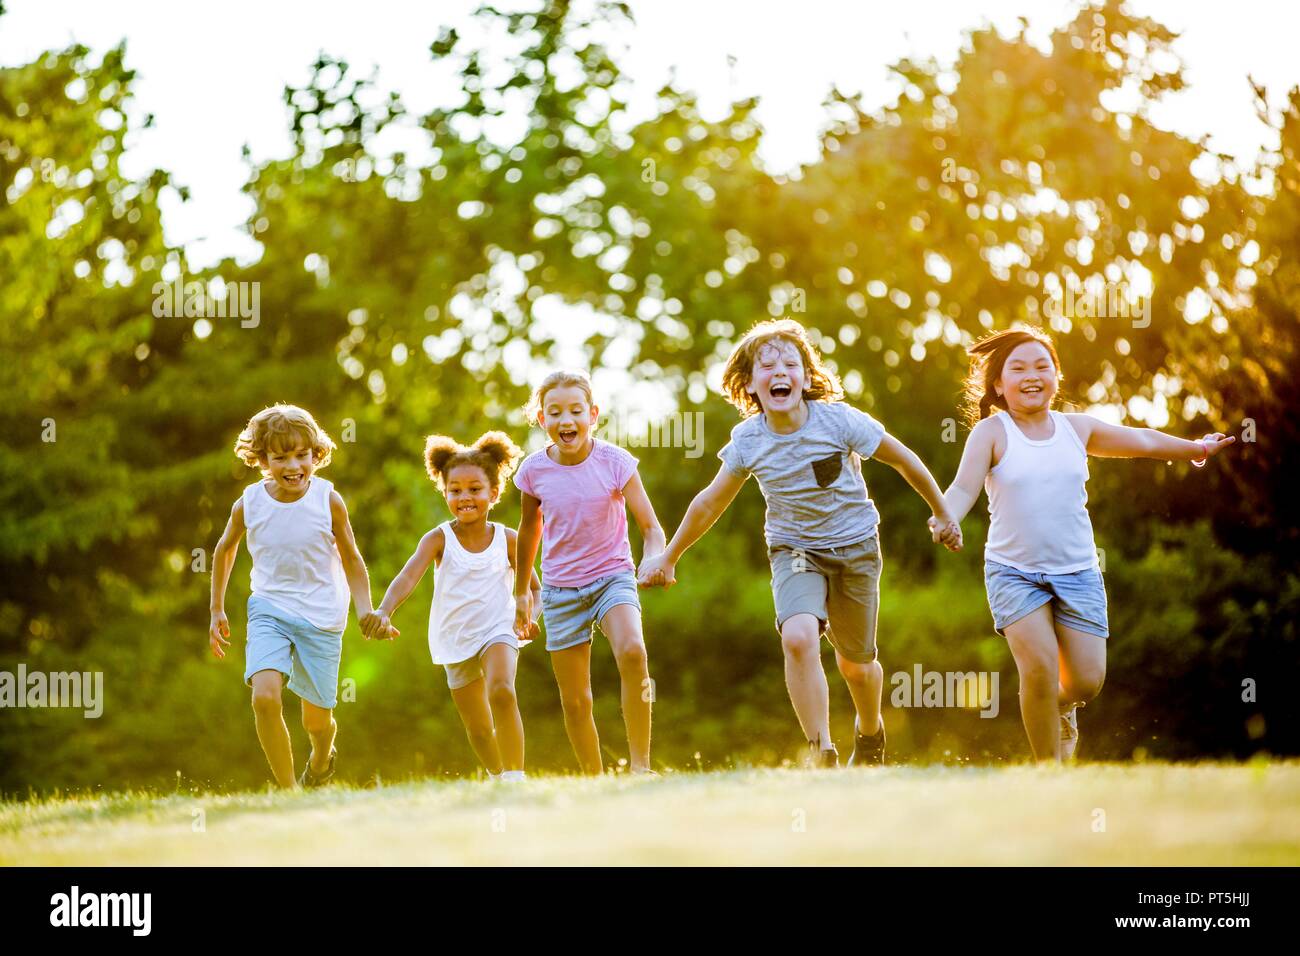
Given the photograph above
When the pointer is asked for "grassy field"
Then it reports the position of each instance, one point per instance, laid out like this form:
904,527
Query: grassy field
1148,814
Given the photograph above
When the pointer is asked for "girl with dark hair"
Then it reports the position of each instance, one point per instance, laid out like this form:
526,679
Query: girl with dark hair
1041,570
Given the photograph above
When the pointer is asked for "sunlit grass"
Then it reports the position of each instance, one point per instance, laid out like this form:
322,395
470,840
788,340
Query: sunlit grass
1152,814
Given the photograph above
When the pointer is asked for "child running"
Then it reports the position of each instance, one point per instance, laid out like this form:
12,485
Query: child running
305,563
575,495
1041,571
471,627
804,445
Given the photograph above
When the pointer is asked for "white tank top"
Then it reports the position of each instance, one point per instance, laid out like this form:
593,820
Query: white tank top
296,565
473,597
1038,502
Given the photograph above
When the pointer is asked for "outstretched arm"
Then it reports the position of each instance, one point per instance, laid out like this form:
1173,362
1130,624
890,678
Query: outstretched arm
426,553
223,562
1121,441
705,509
906,462
353,565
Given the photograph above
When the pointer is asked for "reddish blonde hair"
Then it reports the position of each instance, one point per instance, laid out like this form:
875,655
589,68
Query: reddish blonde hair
821,382
561,379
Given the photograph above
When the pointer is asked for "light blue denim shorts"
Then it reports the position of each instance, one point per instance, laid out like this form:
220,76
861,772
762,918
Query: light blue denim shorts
570,613
298,649
1078,600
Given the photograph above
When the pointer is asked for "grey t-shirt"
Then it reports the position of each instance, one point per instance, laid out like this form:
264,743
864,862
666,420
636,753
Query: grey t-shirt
815,498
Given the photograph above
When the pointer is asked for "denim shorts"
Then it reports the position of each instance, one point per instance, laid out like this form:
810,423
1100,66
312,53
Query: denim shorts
570,613
1078,599
838,586
298,649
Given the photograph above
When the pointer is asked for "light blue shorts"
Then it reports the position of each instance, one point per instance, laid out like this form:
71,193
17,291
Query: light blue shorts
301,651
570,613
1078,600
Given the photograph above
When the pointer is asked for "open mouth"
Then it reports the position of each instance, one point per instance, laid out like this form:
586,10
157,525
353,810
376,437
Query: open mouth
780,391
466,509
1030,389
567,435
292,479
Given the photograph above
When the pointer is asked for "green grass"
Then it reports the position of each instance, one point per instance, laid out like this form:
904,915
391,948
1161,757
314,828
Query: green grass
1154,814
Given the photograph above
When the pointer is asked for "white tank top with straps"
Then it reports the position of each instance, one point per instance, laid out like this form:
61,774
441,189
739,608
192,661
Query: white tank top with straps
473,597
296,564
1038,502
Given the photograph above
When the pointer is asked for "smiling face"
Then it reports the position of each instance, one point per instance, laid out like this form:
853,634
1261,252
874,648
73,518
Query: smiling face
290,468
568,418
777,378
1028,380
470,495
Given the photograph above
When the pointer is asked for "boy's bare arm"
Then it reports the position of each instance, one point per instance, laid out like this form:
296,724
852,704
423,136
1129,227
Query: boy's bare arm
223,562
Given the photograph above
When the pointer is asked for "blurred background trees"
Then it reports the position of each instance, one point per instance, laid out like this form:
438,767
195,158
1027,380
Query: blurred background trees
399,298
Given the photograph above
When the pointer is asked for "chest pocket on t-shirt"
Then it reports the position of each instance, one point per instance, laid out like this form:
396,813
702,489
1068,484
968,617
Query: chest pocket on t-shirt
828,469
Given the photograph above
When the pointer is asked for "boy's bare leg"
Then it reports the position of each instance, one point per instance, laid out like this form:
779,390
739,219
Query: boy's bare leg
321,727
866,682
272,732
805,678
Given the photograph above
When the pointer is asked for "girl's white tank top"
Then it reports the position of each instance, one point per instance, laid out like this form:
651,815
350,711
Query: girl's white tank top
296,564
473,597
1038,502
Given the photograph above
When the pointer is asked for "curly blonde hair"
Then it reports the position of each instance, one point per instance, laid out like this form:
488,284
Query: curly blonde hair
821,382
283,428
561,379
494,452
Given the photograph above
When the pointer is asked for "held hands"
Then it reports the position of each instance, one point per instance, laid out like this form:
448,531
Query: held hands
656,571
525,626
375,625
945,531
219,634
1212,445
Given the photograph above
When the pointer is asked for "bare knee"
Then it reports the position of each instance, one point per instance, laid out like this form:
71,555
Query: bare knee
1085,686
859,674
800,639
577,704
501,695
317,721
1039,675
631,658
266,699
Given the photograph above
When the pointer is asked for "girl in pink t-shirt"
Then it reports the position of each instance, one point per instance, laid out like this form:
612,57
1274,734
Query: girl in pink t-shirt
575,492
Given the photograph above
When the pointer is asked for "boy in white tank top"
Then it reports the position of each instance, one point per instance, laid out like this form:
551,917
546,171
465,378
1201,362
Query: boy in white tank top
1041,571
306,569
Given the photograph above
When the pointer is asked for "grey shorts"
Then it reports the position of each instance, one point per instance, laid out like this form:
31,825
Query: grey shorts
463,673
838,586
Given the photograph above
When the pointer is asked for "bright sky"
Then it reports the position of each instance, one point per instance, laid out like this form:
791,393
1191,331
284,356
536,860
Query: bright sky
213,75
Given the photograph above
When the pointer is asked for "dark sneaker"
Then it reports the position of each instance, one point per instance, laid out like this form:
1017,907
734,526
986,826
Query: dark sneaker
311,778
868,751
822,759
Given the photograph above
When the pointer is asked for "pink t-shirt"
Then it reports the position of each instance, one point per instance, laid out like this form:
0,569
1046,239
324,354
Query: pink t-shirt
584,516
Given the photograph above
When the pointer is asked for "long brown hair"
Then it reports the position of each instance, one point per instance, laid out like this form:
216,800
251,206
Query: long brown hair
819,381
988,356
